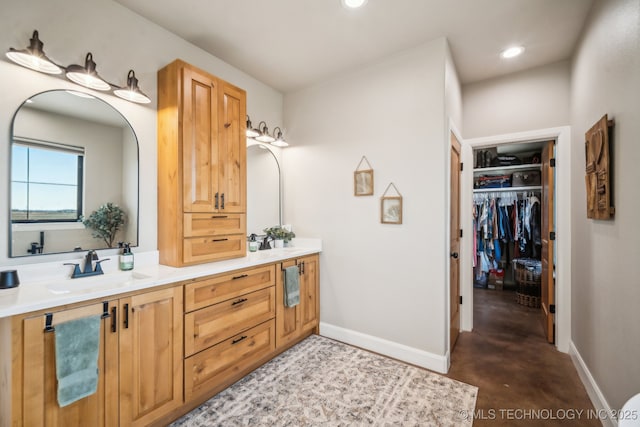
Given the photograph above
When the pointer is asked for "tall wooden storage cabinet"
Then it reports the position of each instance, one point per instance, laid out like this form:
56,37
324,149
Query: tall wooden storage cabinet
201,167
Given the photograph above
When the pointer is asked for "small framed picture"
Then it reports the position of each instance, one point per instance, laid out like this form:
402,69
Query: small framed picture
391,210
363,182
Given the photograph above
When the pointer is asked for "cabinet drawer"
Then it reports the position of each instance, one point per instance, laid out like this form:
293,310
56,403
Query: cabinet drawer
227,286
218,364
203,224
210,325
204,249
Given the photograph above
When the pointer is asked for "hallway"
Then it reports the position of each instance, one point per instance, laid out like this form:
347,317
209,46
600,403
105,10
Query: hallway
522,379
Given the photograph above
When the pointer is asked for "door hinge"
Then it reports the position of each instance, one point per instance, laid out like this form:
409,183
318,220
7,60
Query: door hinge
461,166
552,235
552,308
552,163
460,299
461,233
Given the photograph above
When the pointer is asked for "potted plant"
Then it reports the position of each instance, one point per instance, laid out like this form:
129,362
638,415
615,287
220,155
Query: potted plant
279,235
105,222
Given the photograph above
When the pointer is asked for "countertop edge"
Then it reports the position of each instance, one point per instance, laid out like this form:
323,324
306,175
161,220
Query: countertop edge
36,296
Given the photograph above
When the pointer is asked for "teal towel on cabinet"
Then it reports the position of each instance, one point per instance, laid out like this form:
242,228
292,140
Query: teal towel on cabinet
291,286
77,348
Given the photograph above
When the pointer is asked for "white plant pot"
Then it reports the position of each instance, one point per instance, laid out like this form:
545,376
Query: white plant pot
278,243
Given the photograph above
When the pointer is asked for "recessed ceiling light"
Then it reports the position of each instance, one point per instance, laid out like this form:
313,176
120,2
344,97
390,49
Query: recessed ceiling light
353,4
512,52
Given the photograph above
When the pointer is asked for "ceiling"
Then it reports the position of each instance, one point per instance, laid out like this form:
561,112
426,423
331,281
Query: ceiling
291,44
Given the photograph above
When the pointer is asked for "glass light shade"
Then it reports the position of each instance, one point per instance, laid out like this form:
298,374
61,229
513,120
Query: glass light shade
279,140
132,92
33,57
87,76
251,132
264,134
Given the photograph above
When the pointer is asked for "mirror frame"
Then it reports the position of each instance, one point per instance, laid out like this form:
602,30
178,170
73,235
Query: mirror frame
9,171
266,147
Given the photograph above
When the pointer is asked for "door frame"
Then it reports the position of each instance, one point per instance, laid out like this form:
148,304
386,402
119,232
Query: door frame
562,135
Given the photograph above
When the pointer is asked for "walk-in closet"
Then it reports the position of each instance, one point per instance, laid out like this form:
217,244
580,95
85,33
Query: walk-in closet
513,213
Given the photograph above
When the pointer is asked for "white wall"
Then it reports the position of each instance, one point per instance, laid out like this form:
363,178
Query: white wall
606,271
533,99
119,40
384,281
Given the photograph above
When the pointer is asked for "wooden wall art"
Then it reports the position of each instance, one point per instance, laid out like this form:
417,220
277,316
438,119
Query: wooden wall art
598,170
363,179
391,207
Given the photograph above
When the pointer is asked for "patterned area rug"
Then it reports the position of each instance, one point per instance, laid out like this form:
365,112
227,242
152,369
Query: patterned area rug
321,382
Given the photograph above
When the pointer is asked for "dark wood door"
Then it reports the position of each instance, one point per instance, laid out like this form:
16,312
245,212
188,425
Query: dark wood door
454,247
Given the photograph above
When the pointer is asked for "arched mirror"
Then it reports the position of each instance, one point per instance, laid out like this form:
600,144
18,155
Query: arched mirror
72,155
264,201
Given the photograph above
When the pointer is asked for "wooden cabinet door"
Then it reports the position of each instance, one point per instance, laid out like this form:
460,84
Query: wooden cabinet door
288,319
199,142
150,355
309,292
40,404
232,149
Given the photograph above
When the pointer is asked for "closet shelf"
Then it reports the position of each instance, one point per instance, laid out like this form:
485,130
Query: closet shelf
504,189
509,168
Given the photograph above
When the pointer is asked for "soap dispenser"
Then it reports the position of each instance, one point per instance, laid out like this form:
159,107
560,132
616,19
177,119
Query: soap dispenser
126,257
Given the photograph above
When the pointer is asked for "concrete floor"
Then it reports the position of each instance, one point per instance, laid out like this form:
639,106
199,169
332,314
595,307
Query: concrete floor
522,379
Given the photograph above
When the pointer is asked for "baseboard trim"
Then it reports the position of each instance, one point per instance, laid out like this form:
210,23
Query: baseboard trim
597,398
392,349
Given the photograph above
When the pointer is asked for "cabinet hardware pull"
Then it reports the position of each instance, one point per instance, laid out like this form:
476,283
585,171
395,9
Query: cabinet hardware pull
226,125
236,341
126,316
240,301
114,322
219,216
48,321
239,277
216,197
105,310
222,198
303,267
219,240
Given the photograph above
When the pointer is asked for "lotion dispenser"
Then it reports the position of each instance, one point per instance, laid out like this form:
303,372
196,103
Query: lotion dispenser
126,257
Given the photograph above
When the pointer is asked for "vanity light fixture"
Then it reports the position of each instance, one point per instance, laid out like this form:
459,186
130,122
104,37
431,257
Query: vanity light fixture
279,140
87,76
132,92
264,134
33,57
251,132
512,52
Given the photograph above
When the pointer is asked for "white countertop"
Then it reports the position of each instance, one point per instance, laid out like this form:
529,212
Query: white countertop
48,285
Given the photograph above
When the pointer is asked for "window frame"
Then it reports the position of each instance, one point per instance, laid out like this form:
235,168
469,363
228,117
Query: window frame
79,152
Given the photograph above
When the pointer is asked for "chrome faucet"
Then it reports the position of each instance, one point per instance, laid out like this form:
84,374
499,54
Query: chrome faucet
88,269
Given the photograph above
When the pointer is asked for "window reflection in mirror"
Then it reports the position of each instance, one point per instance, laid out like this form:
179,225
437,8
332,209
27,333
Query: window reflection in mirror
69,156
46,182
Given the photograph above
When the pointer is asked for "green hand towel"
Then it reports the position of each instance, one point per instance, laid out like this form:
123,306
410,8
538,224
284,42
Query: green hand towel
291,286
77,347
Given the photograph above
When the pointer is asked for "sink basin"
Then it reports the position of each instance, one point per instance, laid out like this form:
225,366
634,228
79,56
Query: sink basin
89,284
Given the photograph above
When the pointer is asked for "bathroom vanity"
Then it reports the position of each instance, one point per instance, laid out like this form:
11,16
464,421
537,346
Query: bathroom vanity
170,338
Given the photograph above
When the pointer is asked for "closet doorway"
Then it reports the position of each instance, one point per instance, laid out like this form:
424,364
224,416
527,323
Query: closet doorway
515,254
511,224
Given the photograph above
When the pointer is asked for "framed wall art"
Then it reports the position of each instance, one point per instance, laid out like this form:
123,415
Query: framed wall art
391,206
363,179
598,170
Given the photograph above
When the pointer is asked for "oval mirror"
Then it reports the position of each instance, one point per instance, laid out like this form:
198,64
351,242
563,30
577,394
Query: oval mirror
73,158
264,207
